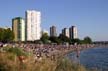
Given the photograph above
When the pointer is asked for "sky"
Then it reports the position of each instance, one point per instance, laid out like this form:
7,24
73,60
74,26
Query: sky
89,16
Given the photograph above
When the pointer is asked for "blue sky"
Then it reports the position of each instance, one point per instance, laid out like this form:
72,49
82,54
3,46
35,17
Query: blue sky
90,16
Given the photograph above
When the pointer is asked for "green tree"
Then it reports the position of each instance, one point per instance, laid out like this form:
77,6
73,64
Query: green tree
87,40
55,40
1,34
78,41
10,35
64,38
6,35
45,38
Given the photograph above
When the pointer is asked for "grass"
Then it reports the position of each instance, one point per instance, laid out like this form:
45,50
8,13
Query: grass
9,61
65,64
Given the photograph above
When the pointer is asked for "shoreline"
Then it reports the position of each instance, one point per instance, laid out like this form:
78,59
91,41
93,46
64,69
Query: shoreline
45,56
51,51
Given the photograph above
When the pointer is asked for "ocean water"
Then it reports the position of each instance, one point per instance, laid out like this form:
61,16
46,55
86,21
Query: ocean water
92,58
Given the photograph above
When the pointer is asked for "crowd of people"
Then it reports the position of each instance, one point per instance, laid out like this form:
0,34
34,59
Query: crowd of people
51,51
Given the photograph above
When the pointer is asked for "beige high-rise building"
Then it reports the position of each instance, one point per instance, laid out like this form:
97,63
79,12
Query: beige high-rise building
65,32
53,31
18,28
73,32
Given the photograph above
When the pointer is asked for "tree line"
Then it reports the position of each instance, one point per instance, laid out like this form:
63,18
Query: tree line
6,35
62,38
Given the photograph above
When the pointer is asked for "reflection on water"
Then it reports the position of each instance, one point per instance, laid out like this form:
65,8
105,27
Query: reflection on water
92,58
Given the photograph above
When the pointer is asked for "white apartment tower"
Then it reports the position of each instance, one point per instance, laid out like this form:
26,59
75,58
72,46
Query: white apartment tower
33,25
73,32
53,31
65,32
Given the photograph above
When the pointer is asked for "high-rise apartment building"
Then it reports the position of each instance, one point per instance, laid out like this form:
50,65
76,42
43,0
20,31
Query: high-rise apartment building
65,32
53,31
73,32
18,28
33,25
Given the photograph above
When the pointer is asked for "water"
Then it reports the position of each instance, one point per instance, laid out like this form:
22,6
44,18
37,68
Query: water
92,58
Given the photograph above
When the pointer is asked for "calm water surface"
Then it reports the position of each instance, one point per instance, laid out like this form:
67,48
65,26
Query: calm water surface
92,58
